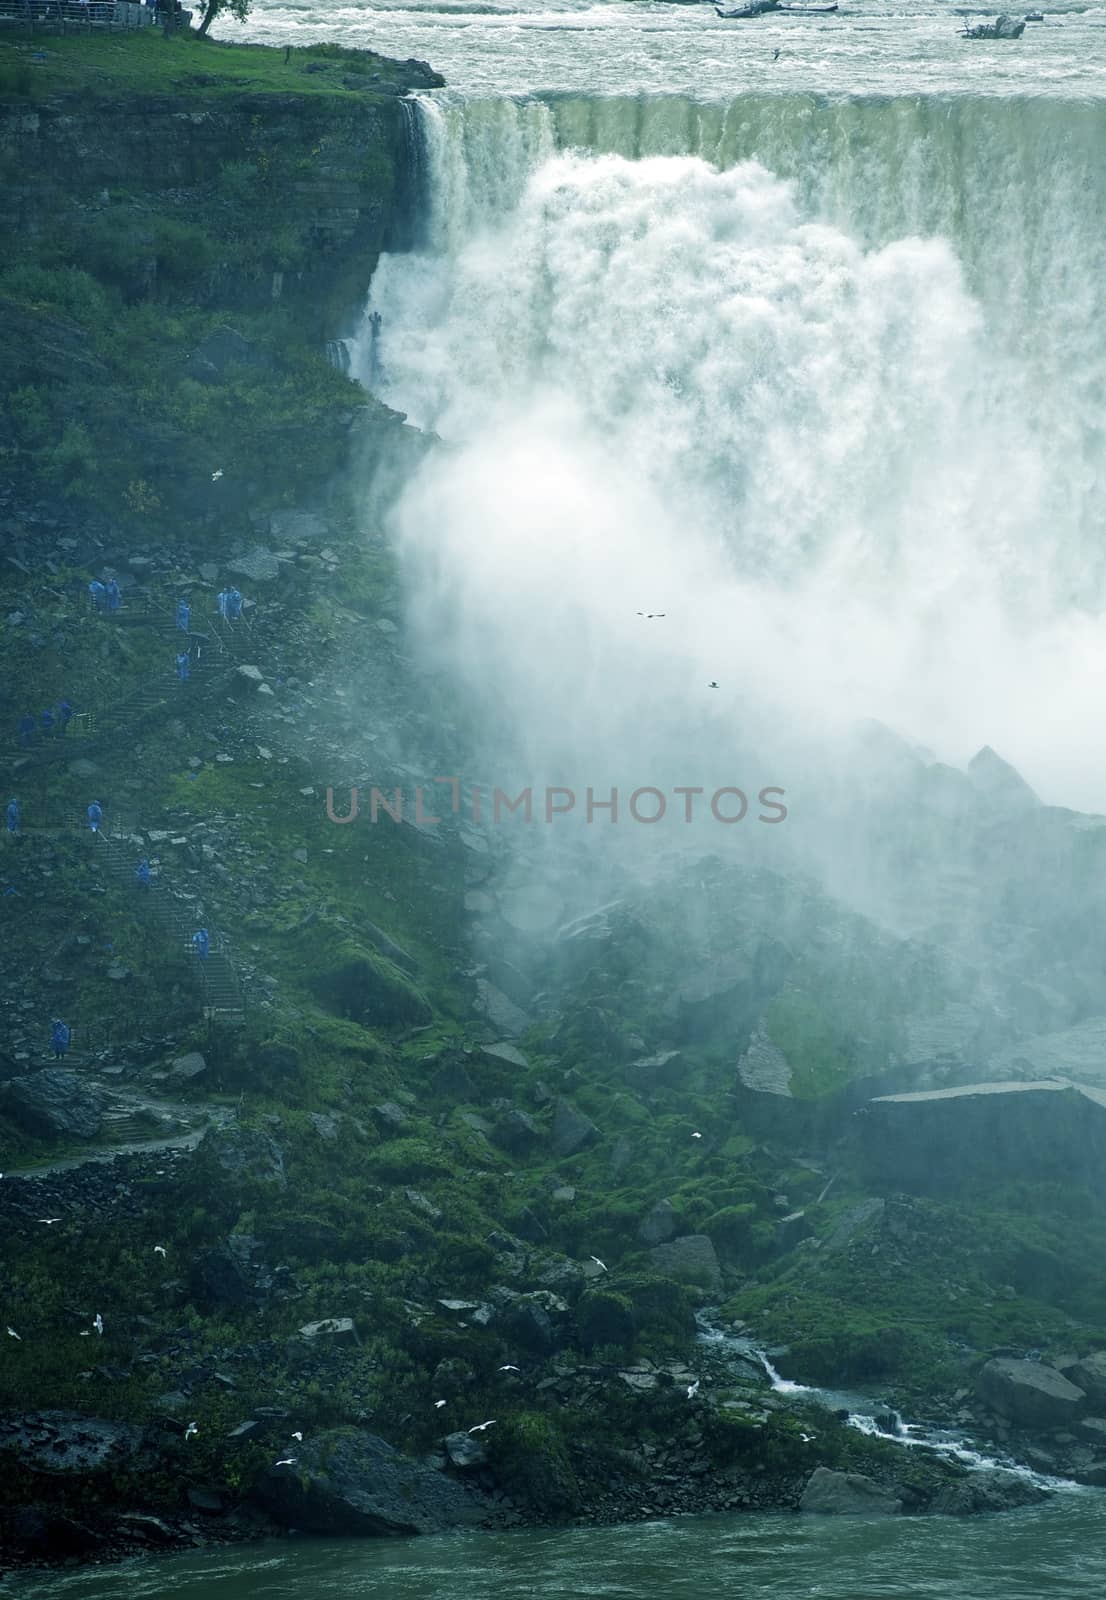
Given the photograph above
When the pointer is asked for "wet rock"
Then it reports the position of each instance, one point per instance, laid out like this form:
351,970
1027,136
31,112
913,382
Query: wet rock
243,1154
33,1534
518,1133
501,1012
986,1491
528,1325
347,1482
223,1276
1090,1376
659,1224
1029,1393
223,348
390,1118
54,1103
63,1443
326,1124
465,1450
691,1259
830,1493
336,1330
665,1070
186,1068
572,1131
995,779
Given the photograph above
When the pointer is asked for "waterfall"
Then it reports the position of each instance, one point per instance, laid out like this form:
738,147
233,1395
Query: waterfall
821,381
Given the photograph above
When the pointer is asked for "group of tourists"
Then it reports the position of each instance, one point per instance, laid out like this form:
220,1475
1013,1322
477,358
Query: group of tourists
54,720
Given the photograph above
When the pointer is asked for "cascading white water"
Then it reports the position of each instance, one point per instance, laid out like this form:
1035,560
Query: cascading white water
821,383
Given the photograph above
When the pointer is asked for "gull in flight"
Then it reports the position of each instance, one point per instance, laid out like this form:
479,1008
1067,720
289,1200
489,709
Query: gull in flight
98,1323
807,1437
480,1426
601,1264
159,1249
712,685
289,1461
49,1221
649,615
509,1368
696,1135
215,476
693,1389
191,1430
298,1436
13,1335
438,1404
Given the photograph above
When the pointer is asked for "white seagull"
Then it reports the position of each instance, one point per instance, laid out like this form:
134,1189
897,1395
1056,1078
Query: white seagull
215,476
696,1135
98,1323
601,1264
190,1430
298,1436
13,1335
438,1404
159,1249
693,1389
480,1426
49,1221
509,1368
289,1461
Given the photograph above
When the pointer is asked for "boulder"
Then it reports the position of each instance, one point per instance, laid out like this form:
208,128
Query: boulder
223,348
659,1225
528,1325
502,1013
665,1070
690,1259
67,1443
390,1118
847,1494
1029,1393
222,1276
345,1481
245,1155
336,1330
997,781
465,1450
1090,1375
54,1103
248,677
572,1131
370,988
518,1133
185,1068
986,1491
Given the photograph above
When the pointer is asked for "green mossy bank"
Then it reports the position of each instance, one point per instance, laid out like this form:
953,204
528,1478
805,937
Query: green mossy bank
187,225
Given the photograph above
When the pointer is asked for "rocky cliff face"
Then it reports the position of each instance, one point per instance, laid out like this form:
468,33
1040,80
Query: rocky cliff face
146,221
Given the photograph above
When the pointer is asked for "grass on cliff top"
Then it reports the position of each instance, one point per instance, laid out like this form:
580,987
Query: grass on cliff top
105,64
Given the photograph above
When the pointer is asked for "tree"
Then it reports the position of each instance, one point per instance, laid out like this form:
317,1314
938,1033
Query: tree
238,9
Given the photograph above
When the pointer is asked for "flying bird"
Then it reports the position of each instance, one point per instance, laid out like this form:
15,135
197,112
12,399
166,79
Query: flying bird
215,476
807,1437
13,1335
602,1265
509,1368
438,1404
159,1249
776,57
298,1436
480,1426
289,1461
696,1135
712,685
693,1389
98,1323
49,1221
191,1430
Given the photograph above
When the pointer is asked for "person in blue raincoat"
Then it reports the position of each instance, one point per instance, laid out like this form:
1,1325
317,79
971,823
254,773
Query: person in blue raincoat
222,601
184,612
95,814
65,716
201,943
59,1038
98,593
184,666
115,596
13,816
234,605
143,874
